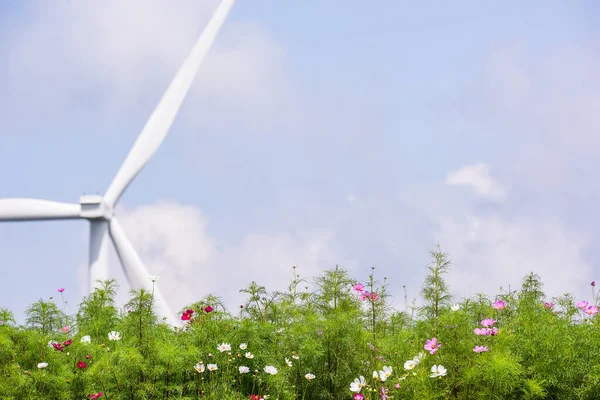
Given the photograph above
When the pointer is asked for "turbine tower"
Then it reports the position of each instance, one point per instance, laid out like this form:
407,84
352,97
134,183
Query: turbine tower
99,210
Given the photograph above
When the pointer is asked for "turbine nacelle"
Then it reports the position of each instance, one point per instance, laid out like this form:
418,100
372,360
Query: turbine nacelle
94,207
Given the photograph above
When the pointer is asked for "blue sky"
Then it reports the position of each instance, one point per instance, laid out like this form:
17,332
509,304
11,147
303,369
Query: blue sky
315,134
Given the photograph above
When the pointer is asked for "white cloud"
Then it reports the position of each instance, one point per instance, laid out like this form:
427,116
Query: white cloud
478,177
114,56
490,252
174,242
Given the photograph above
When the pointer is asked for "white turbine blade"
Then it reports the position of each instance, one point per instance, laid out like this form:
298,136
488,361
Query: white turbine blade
34,209
160,121
135,270
99,242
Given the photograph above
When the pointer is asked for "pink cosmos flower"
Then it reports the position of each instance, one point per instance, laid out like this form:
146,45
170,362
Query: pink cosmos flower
397,386
57,346
432,345
481,332
358,396
480,349
374,296
591,310
488,322
365,295
68,342
94,396
493,331
383,393
208,309
499,305
60,290
359,287
548,305
65,328
582,304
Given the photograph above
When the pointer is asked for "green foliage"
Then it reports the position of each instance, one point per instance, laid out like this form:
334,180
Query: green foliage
338,332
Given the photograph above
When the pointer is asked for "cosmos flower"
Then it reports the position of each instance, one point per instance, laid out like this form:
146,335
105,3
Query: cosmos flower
410,364
114,335
432,345
212,367
269,369
309,377
437,371
385,373
499,305
480,349
199,367
243,369
224,347
358,384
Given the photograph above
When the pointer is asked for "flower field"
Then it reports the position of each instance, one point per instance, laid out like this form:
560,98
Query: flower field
339,340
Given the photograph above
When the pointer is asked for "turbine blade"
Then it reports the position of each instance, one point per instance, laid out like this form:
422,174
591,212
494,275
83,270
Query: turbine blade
35,209
160,121
99,242
136,272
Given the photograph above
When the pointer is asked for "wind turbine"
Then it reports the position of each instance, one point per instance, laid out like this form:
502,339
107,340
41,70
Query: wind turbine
99,210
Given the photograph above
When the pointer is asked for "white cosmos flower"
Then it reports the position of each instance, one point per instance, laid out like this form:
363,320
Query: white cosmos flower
243,346
212,367
249,355
153,278
437,371
288,362
269,369
224,347
86,339
375,374
309,376
419,358
42,365
455,307
410,364
114,335
244,369
358,384
385,373
295,357
199,367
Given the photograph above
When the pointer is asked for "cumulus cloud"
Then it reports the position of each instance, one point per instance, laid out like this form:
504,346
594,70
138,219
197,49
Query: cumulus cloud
175,242
490,252
478,177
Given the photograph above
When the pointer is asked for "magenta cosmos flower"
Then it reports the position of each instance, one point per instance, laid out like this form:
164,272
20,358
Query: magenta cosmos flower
358,396
480,349
499,305
60,290
432,345
591,310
